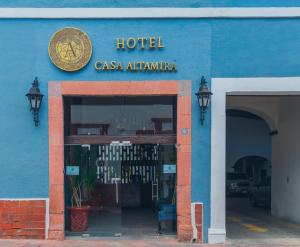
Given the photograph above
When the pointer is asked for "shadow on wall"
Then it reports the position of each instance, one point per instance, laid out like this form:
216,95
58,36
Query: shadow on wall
248,143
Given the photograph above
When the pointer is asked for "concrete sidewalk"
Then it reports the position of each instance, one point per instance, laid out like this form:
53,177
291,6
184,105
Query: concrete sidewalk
114,242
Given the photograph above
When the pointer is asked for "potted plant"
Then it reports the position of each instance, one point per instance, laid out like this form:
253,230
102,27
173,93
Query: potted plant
78,212
92,197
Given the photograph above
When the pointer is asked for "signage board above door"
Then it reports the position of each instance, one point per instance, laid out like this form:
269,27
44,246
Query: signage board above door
139,43
70,49
152,43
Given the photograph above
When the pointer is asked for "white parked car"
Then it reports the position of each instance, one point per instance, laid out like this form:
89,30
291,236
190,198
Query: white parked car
237,184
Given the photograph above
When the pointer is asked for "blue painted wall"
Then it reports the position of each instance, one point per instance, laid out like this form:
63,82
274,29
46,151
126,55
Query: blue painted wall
213,48
260,47
24,148
149,3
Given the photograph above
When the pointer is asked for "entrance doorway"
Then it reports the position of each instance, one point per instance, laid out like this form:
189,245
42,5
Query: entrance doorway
269,212
59,91
261,163
125,187
120,164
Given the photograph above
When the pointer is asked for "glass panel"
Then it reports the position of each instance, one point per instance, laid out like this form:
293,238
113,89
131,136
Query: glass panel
120,115
167,216
38,102
137,170
130,190
106,192
84,166
32,102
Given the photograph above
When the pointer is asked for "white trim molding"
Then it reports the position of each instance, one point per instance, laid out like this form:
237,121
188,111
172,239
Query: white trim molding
118,13
220,88
47,220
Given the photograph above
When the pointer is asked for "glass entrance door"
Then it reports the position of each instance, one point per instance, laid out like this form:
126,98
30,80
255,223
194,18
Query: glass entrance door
137,169
127,180
97,174
129,189
167,183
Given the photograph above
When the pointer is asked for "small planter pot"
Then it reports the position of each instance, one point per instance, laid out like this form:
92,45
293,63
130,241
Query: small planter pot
79,218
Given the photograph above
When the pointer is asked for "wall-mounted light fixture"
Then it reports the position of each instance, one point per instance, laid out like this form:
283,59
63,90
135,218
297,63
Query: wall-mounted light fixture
35,99
203,96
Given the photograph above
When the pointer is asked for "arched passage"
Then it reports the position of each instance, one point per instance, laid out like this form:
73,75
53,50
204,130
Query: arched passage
253,166
248,135
279,98
259,113
248,165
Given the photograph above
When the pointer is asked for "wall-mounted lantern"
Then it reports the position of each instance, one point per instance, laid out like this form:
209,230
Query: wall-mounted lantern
35,99
203,96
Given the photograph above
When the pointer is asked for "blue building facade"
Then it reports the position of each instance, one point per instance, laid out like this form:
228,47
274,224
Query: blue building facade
212,47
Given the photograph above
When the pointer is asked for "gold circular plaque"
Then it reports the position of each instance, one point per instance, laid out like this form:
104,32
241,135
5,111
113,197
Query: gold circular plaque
70,49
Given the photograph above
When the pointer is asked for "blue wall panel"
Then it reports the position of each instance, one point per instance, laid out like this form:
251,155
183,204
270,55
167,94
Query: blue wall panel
25,55
24,148
260,47
213,48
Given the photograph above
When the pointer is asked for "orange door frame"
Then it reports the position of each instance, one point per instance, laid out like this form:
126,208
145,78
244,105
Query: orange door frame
57,90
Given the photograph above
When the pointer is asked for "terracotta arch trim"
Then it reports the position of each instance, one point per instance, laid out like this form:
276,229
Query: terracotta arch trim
56,91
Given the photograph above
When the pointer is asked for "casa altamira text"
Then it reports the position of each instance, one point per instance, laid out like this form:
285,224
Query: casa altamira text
136,66
138,43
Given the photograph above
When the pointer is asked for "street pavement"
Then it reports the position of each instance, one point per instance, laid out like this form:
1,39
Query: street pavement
246,225
122,243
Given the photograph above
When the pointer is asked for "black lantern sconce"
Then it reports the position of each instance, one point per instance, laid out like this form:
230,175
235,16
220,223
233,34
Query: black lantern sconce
203,96
35,99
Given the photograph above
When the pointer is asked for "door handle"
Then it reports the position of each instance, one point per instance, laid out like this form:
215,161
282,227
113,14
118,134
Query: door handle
154,190
116,181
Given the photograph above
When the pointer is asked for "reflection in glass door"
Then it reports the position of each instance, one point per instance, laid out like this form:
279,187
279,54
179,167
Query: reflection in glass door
125,176
167,183
120,116
99,182
129,189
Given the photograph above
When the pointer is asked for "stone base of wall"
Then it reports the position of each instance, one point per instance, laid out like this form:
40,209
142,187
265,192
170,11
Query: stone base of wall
22,219
184,233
